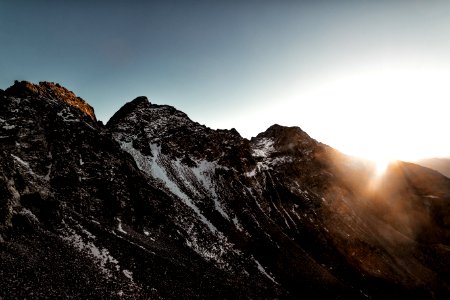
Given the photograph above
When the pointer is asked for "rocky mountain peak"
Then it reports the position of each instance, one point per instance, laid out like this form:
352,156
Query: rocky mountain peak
144,126
141,110
280,132
286,139
128,108
50,90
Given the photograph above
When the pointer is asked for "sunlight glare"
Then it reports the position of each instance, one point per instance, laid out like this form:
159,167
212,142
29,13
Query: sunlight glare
389,112
381,166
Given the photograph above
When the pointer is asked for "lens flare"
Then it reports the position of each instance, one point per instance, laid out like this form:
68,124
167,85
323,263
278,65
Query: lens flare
380,166
381,109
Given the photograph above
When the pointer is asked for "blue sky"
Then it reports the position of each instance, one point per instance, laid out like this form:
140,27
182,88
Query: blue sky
242,64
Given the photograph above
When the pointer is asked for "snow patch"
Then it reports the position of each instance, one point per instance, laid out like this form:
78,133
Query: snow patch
23,163
263,148
152,166
100,255
213,251
119,226
203,172
67,116
263,271
252,173
237,224
128,274
184,181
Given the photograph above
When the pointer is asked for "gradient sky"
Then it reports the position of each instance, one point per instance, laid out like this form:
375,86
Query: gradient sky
370,78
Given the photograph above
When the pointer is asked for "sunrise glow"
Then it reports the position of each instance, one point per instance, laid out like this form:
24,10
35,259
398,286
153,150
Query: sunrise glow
380,113
368,78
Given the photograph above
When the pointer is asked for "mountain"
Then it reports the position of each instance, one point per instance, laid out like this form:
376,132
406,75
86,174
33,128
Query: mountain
441,165
153,205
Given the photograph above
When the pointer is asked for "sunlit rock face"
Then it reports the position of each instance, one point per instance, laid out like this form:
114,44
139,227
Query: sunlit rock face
49,90
155,205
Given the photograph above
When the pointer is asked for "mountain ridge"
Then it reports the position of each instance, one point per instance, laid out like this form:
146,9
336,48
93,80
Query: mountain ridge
155,205
441,165
49,90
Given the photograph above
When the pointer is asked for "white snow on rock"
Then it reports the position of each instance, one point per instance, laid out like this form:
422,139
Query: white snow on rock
152,166
203,173
263,271
23,163
252,173
100,255
237,224
214,252
263,148
67,116
180,180
119,226
128,274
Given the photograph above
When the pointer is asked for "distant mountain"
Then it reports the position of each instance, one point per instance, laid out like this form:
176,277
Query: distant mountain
153,205
441,165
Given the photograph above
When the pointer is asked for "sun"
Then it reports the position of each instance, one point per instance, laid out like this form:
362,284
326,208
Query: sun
380,112
381,166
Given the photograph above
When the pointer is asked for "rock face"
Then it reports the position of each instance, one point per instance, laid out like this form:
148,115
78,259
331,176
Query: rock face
49,90
154,205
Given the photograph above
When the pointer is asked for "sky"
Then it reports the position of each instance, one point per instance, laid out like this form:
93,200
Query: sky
369,78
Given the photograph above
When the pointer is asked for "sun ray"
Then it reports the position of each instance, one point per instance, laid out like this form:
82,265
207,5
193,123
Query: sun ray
381,166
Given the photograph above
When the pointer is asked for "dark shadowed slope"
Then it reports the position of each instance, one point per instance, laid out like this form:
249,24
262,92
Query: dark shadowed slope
155,205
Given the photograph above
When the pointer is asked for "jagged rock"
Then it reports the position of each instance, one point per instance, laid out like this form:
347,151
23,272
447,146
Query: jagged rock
155,205
49,90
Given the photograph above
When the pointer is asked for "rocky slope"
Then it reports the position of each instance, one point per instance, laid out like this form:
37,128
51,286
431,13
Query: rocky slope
154,205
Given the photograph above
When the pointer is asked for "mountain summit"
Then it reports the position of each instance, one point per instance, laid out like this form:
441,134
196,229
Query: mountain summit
153,205
49,90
